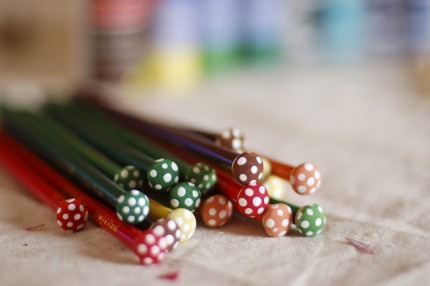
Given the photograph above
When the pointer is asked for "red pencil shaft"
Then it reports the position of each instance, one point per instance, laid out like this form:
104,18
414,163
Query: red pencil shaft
33,183
99,213
280,169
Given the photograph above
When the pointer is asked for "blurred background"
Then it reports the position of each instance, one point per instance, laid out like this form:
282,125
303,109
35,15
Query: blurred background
174,47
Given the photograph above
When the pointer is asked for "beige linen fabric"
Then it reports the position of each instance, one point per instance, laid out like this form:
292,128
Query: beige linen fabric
365,128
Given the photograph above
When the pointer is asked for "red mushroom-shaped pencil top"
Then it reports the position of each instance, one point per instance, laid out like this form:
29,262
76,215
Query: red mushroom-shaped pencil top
72,214
150,247
216,210
247,168
253,200
277,219
305,179
168,228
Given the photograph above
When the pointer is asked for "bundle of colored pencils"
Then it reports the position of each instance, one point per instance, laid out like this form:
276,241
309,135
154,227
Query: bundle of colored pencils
145,182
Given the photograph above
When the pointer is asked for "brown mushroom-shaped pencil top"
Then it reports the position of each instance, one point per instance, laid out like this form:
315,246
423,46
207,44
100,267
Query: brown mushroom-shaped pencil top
216,210
247,168
231,138
170,230
305,179
277,219
72,214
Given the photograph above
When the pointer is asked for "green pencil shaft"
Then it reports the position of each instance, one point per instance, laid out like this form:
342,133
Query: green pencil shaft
64,159
69,138
104,121
104,141
293,207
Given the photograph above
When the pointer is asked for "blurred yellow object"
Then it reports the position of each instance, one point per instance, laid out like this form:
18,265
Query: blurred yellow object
277,187
172,72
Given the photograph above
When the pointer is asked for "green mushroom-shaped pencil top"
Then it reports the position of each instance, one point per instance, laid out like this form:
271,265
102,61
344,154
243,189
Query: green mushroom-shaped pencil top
163,174
203,176
132,207
185,195
129,178
310,220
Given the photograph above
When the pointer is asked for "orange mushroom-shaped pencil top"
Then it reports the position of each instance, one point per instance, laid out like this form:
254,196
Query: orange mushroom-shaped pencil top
305,179
216,210
277,219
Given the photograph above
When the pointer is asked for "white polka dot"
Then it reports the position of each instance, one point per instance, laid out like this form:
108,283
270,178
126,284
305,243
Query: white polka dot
126,209
196,170
80,226
221,200
155,250
158,230
65,216
248,211
137,210
131,218
301,177
301,189
310,212
135,192
236,144
153,173
212,211
71,207
174,167
164,166
81,208
58,210
266,200
318,222
254,169
132,202
145,210
313,190
70,200
280,212
169,239
282,233
150,239
320,209
141,248
304,224
243,202
197,204
226,134
158,187
141,202
148,260
262,190
179,221
270,223
70,224
299,215
243,177
256,201
77,217
260,175
309,166
188,214
140,218
222,214
124,173
186,228
132,184
167,177
309,233
188,202
212,222
195,193
317,174
249,192
259,160
285,222
310,181
174,203
260,210
59,222
181,191
241,161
